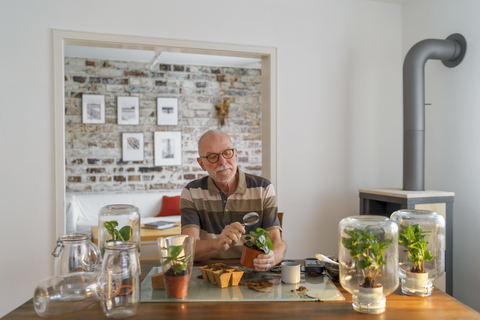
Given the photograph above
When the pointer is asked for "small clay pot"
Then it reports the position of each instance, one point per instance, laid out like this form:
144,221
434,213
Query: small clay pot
176,286
248,254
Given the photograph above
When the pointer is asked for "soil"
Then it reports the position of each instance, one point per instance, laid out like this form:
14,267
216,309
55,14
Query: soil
257,285
218,266
299,289
170,273
416,269
254,247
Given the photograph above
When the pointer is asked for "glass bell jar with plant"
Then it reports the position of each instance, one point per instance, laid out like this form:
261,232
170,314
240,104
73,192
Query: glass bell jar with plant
118,222
368,260
421,237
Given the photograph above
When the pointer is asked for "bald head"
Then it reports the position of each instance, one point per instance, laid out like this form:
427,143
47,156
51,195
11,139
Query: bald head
209,135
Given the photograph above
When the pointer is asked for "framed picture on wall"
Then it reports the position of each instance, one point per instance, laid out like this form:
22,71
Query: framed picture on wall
132,146
127,110
168,148
167,111
93,108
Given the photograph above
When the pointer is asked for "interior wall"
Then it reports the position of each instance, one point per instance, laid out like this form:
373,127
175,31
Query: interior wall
452,132
94,159
338,112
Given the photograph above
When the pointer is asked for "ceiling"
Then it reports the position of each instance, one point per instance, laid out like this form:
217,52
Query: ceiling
165,57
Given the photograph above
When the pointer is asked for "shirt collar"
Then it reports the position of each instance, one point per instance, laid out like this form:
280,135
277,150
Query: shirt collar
241,188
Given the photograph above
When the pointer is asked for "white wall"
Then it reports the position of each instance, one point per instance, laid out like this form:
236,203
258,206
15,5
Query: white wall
339,108
452,131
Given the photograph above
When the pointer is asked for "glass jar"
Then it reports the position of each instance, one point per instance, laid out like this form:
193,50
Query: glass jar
75,253
66,293
176,259
118,222
120,267
422,249
368,259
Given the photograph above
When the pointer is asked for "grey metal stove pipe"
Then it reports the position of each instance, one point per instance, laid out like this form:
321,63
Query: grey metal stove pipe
451,51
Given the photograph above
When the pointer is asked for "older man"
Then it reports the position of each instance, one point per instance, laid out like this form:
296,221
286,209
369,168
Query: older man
213,207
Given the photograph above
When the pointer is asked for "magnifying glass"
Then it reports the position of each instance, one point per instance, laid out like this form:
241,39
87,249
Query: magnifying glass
250,219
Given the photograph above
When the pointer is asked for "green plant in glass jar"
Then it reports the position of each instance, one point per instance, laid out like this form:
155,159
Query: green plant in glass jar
366,247
412,237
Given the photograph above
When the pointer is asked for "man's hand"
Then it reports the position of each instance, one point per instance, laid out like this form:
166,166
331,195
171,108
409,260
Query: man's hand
230,235
263,262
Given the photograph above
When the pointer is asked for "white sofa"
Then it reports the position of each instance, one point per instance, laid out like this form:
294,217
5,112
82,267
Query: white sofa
83,209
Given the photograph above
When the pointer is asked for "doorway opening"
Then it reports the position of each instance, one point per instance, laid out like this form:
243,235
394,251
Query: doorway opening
71,38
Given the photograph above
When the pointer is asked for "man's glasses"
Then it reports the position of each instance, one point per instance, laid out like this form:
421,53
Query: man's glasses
213,157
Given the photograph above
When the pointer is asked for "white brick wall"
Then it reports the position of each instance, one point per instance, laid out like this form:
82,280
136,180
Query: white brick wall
94,151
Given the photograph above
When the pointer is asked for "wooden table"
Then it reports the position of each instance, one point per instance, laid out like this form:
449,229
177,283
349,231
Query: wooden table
438,306
147,234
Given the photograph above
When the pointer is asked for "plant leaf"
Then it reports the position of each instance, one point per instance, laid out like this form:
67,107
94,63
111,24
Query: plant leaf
175,251
269,243
118,236
126,233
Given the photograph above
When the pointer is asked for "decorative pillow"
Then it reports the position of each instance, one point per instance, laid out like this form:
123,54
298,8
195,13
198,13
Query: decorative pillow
170,206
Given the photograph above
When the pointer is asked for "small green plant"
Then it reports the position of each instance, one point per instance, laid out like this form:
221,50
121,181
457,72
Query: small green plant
413,239
124,234
259,241
366,247
179,264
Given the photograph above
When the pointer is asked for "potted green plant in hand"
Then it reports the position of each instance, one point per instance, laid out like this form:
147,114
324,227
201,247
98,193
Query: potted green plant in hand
256,242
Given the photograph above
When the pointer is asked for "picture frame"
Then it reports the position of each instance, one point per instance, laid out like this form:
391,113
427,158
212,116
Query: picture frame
93,108
128,110
167,111
132,146
168,148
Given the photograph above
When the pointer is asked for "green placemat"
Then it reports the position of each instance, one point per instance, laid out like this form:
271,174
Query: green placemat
317,288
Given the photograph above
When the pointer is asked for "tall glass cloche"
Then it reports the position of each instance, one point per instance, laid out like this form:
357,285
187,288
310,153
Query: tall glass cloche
118,222
368,257
421,249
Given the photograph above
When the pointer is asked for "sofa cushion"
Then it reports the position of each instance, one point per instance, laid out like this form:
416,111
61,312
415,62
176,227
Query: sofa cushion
170,206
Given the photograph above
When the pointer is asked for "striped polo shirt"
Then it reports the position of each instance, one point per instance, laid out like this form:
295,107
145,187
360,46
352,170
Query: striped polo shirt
205,207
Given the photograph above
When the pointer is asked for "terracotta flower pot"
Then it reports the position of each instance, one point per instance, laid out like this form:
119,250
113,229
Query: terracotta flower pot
248,254
176,286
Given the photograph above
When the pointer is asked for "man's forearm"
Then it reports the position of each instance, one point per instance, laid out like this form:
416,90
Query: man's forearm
279,248
205,249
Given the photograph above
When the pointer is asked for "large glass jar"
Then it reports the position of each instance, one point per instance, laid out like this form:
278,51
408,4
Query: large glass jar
120,268
421,236
75,253
118,222
368,258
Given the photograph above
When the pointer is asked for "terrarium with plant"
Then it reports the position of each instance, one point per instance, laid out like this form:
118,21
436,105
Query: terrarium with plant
367,247
368,260
421,238
118,222
176,261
